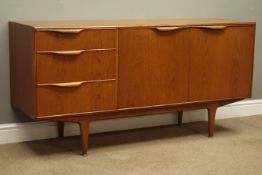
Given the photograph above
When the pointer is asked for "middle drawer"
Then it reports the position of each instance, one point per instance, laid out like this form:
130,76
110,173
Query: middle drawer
89,65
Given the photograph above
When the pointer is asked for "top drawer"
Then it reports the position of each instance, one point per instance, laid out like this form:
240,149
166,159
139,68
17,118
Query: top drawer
75,39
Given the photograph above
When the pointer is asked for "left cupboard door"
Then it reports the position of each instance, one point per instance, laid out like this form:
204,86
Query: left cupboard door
153,66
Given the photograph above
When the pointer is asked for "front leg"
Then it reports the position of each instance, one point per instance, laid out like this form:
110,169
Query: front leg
212,108
84,133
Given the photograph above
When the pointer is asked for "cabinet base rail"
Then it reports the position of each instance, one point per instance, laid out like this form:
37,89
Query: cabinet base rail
84,121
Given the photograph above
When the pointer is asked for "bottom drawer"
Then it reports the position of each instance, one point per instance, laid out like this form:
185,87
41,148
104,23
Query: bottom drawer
88,97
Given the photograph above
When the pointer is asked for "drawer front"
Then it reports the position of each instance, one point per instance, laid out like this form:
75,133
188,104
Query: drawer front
85,39
94,65
88,97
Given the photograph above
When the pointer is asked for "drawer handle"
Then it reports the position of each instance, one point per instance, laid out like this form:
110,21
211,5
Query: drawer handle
70,84
68,52
75,84
166,29
74,52
212,27
69,31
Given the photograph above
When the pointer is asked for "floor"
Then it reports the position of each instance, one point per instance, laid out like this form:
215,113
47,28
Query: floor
236,149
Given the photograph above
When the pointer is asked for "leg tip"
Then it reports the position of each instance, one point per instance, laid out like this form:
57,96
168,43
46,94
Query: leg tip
210,135
84,153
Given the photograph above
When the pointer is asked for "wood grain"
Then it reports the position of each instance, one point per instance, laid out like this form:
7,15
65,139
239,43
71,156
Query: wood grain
221,63
22,68
87,39
153,67
95,65
88,97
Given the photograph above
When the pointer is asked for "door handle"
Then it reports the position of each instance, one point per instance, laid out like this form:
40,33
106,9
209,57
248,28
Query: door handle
166,29
212,27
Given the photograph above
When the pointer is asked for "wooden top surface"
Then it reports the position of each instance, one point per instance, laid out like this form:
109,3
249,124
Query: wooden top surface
131,23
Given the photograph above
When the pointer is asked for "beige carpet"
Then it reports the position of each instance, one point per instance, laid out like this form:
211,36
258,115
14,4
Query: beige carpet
236,149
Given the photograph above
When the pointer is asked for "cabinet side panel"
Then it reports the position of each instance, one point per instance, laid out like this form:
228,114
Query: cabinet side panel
22,68
253,39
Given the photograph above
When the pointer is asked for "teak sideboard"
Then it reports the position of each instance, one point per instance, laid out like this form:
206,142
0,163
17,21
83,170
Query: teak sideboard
81,71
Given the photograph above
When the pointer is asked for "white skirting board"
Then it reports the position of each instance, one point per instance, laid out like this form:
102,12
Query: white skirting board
20,132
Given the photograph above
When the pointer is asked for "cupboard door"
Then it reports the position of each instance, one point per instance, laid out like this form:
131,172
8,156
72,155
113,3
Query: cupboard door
153,67
221,63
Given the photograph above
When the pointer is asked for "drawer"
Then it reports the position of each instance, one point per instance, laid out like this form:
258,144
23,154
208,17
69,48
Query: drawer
74,39
87,97
59,68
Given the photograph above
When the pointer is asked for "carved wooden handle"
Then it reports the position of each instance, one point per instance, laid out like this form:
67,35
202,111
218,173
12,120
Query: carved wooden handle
66,85
69,31
73,52
74,84
166,29
67,52
212,27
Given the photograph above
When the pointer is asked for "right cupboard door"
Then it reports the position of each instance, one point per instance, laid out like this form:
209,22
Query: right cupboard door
221,63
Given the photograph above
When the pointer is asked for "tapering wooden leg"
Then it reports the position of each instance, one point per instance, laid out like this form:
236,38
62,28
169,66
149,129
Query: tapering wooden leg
179,117
60,127
211,118
84,132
